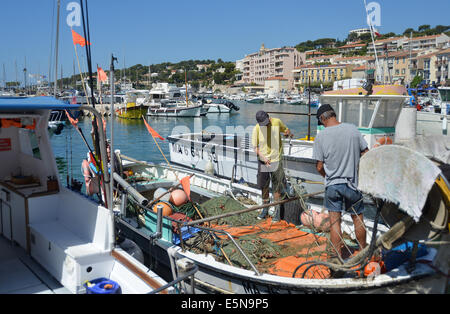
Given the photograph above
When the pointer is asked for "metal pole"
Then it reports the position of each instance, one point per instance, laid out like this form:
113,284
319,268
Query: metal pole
56,48
111,147
309,108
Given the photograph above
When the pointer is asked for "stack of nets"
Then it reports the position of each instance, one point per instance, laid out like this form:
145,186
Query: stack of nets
222,205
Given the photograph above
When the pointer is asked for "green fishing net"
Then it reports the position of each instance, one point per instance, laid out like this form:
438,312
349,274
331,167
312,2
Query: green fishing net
222,205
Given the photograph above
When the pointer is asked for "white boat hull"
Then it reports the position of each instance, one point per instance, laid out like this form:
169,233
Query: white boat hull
429,123
217,108
230,161
175,112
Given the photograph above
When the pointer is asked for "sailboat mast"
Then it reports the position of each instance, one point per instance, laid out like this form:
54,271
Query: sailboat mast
185,80
373,39
56,48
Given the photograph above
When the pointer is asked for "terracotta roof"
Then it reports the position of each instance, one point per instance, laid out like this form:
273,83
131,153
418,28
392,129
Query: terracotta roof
353,58
425,37
276,78
389,39
443,51
312,66
428,55
352,46
360,68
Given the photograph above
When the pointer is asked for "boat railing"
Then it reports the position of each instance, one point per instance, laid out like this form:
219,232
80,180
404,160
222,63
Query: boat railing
189,274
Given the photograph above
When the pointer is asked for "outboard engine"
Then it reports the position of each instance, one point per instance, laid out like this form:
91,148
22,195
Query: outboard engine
231,105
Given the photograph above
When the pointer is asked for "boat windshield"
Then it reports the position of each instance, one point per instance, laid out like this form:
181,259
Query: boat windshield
445,94
387,114
361,111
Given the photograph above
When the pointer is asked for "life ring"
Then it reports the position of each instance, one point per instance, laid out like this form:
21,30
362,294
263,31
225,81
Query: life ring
385,140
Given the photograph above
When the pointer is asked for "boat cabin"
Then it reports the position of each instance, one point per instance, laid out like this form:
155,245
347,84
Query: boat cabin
375,116
64,232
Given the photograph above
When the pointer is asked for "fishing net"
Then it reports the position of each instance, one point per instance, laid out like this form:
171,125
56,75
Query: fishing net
222,205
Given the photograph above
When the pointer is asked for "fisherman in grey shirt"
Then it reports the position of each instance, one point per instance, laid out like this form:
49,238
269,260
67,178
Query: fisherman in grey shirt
338,149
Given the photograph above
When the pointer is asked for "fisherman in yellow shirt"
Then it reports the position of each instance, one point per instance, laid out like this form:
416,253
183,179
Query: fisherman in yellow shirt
268,146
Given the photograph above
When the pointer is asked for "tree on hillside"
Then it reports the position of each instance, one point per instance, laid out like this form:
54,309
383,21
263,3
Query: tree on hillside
424,28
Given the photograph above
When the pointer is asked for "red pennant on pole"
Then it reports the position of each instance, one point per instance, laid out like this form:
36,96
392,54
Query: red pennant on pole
72,121
151,131
102,77
78,39
186,184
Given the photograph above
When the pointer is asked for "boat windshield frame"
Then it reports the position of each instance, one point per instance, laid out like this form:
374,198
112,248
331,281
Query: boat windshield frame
375,111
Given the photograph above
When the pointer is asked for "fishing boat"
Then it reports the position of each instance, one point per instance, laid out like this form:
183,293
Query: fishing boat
135,105
251,256
296,100
53,239
232,157
220,106
436,120
176,109
56,120
255,99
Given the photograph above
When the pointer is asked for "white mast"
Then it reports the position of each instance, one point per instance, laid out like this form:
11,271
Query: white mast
56,49
373,40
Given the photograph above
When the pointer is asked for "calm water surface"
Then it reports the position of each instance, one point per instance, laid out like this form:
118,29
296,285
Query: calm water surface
132,138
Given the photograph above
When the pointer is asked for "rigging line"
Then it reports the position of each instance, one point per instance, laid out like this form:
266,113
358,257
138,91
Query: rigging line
89,62
88,56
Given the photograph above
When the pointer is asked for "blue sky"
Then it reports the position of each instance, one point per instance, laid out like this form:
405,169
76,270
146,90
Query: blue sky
151,32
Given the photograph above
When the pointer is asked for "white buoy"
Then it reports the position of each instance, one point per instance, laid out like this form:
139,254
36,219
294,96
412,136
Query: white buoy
406,127
161,191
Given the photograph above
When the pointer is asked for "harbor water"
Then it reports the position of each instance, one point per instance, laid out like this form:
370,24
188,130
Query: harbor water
132,138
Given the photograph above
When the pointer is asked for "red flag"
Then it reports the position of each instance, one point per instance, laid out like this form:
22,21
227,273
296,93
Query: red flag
102,77
78,39
186,184
151,131
72,121
376,32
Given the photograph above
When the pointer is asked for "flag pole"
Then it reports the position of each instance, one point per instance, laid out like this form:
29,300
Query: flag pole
56,49
373,40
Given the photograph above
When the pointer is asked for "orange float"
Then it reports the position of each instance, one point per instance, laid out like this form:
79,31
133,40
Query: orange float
178,198
385,140
167,209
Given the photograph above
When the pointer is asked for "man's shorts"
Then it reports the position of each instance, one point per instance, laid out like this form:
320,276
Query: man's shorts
340,195
277,177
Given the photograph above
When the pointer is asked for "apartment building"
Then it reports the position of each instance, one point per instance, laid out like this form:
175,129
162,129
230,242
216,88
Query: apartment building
391,44
352,47
394,67
275,85
276,62
357,60
360,31
323,59
321,74
425,65
427,42
442,64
